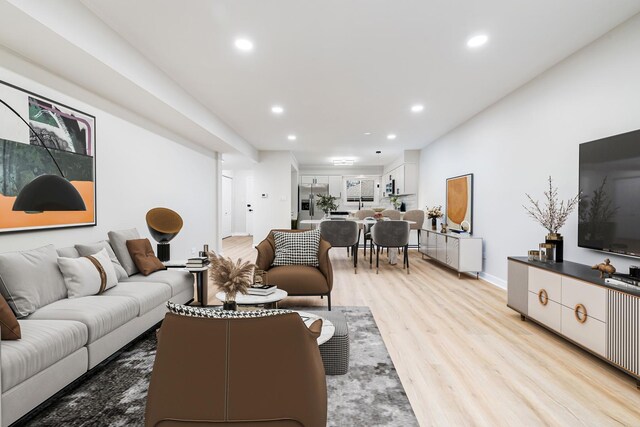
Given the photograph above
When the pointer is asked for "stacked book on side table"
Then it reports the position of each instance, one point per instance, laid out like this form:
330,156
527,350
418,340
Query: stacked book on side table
197,262
261,290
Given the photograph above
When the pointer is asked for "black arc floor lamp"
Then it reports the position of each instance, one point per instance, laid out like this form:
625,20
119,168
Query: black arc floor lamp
47,192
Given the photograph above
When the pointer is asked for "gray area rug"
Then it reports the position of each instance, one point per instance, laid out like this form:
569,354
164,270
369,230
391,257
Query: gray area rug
370,394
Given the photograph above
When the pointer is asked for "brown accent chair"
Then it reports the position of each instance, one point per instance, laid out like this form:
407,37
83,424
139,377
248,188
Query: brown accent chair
297,280
242,372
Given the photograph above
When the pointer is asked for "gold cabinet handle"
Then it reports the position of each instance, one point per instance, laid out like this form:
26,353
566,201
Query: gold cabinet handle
543,297
580,311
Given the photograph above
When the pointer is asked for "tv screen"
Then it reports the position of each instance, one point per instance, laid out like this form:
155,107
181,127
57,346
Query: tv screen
609,211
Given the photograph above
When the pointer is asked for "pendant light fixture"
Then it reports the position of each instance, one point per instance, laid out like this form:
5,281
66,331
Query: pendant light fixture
47,192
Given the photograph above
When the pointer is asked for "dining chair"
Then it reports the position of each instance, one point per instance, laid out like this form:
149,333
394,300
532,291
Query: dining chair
360,215
390,234
417,216
392,214
364,213
342,234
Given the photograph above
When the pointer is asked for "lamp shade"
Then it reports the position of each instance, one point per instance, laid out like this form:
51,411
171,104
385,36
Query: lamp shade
164,224
49,193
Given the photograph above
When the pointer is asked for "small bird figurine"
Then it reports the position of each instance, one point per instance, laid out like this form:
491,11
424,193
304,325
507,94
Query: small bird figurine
605,268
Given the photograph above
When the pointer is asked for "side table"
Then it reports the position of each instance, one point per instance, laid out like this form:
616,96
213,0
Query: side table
202,276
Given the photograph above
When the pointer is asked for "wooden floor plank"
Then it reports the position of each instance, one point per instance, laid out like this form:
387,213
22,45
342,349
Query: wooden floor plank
464,358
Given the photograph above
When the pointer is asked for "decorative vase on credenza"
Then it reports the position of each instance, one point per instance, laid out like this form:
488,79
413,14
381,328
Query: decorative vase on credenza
556,240
434,224
552,215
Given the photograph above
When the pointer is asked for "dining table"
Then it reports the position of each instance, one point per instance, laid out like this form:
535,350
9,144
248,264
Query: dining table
393,252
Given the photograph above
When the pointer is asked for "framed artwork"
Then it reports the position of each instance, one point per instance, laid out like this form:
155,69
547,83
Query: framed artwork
460,203
69,134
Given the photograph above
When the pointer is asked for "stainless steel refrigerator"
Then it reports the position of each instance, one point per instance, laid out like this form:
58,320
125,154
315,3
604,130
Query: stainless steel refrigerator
307,196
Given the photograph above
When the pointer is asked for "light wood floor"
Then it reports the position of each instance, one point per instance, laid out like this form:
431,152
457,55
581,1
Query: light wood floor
464,358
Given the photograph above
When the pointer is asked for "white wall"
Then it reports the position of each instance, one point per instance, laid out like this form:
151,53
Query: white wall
136,170
272,177
513,146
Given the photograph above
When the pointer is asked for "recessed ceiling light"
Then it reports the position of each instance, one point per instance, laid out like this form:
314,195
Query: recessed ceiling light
367,133
244,45
391,136
477,41
292,137
417,108
276,109
342,162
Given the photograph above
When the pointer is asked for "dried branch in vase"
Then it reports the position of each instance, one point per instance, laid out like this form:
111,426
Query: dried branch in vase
231,277
553,215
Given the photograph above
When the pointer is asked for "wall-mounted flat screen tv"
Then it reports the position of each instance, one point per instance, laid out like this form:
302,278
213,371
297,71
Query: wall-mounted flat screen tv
609,211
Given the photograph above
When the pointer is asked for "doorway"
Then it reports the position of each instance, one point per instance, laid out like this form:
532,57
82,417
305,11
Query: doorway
227,206
250,205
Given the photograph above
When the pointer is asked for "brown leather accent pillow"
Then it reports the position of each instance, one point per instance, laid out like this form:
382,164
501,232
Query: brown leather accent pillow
143,256
8,322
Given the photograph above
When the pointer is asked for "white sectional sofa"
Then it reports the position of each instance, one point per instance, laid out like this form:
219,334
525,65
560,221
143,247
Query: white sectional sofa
62,340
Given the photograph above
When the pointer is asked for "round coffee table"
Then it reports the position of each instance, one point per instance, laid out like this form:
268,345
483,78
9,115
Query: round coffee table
327,327
269,301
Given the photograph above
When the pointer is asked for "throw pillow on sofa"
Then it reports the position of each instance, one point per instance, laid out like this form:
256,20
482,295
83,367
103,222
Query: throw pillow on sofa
31,279
299,248
8,322
92,248
143,256
88,275
118,241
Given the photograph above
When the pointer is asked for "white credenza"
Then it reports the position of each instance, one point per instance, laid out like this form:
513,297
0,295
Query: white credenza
571,300
462,253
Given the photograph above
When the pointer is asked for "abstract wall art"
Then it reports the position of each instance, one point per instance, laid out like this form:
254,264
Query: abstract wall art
460,203
69,134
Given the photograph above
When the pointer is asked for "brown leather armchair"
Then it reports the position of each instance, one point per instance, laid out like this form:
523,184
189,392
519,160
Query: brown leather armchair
297,280
242,372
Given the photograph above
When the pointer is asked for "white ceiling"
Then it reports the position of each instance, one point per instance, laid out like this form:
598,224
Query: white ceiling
341,68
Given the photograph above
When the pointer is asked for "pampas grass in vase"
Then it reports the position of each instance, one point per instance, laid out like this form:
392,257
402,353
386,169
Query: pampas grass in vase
231,277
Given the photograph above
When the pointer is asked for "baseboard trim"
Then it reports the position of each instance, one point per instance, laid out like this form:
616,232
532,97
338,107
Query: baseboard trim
495,281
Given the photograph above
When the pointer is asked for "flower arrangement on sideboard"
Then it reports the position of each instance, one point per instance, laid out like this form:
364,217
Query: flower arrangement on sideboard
433,213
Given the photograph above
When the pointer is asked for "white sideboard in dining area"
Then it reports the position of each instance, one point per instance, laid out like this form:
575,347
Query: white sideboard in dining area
460,252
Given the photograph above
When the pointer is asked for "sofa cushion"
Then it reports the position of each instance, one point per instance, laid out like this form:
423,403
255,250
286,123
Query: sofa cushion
43,343
9,325
118,241
92,248
101,314
296,248
147,295
31,279
143,256
179,280
88,275
298,279
68,252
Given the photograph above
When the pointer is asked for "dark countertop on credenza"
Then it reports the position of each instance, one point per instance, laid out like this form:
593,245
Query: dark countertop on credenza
577,271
